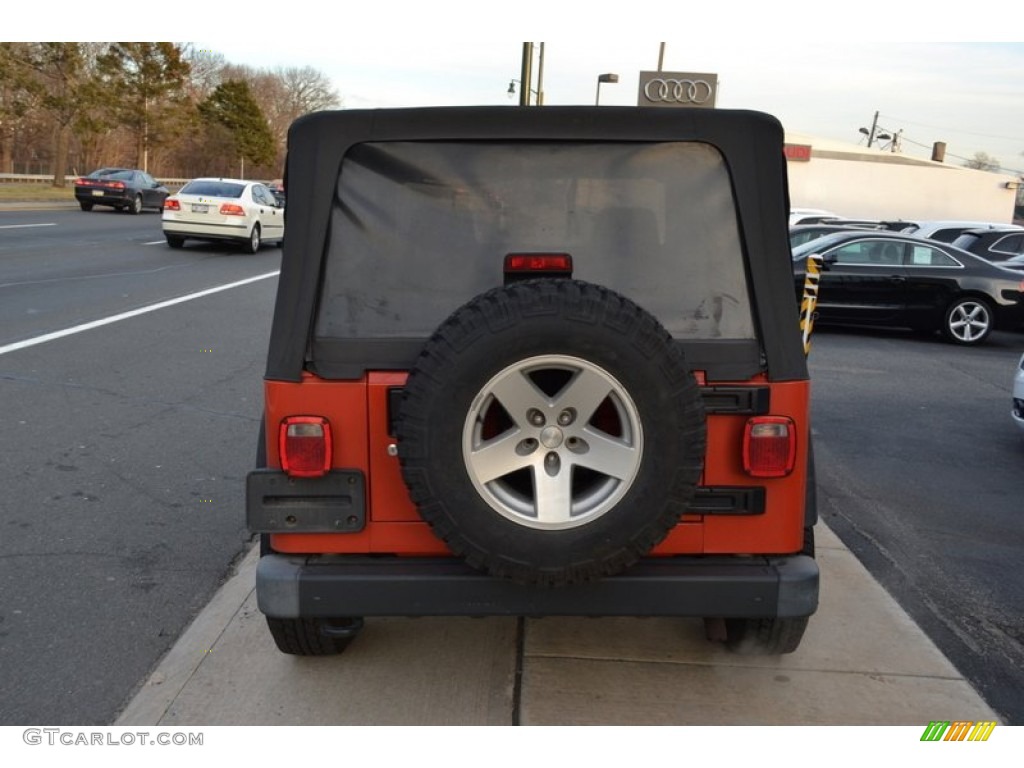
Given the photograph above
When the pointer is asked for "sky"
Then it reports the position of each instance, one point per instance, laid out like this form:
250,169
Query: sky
969,95
823,67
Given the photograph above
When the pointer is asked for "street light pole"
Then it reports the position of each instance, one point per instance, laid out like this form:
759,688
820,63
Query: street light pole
526,75
540,77
609,77
874,127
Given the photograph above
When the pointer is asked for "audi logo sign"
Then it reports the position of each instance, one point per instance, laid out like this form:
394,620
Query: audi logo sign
677,89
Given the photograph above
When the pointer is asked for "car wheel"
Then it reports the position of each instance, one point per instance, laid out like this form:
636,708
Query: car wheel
84,205
174,241
764,637
968,320
135,207
313,637
254,239
304,637
551,433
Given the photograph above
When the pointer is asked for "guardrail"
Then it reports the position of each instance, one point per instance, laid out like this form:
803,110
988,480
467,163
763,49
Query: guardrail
47,178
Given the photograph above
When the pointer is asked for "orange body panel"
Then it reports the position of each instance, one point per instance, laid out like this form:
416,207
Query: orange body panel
780,529
358,413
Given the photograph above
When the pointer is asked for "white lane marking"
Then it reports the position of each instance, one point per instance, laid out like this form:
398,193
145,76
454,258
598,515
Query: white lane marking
24,226
157,242
132,313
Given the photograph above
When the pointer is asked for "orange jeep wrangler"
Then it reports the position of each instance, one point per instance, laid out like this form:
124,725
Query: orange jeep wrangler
535,362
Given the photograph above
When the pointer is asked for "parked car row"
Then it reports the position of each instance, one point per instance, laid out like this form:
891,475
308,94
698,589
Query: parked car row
946,231
993,241
894,279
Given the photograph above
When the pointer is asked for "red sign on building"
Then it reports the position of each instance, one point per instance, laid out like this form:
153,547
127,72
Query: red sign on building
797,152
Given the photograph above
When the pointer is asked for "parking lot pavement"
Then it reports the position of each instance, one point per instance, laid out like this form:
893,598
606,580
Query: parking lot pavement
862,662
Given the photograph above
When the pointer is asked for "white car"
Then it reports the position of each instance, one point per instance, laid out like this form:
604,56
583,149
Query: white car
223,209
809,216
1018,395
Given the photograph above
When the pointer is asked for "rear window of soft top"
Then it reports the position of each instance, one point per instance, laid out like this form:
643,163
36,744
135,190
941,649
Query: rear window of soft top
419,228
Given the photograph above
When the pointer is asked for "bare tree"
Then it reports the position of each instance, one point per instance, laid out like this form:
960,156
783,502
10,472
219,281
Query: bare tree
982,161
309,90
206,71
72,107
285,94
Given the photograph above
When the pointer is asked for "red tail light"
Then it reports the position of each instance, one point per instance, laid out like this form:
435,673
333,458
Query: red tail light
305,446
115,184
539,262
769,446
230,209
170,204
85,183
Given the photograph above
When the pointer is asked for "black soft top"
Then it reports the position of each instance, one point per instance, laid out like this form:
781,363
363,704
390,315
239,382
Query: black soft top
751,144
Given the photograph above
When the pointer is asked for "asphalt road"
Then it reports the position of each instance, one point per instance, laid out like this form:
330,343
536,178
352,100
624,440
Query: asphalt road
126,448
919,473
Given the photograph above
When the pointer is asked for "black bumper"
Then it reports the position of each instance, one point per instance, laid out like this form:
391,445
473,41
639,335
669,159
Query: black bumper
107,198
295,586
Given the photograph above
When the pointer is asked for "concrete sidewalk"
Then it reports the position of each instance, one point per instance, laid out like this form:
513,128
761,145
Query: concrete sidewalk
862,662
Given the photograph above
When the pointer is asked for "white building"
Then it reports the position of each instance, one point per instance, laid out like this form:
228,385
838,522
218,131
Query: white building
858,182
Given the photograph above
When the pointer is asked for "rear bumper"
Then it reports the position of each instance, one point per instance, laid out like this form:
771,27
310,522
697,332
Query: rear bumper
232,231
103,198
335,586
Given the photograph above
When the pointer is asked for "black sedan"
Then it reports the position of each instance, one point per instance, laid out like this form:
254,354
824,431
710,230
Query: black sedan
885,278
121,188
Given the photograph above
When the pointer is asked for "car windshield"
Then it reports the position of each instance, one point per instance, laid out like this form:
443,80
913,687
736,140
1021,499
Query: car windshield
213,189
818,245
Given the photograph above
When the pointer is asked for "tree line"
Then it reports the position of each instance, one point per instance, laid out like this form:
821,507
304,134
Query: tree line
168,108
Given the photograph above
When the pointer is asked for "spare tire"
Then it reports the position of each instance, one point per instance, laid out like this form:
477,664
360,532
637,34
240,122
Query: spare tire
550,432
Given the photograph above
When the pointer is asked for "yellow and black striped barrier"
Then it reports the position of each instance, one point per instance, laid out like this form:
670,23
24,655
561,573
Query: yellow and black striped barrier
810,299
